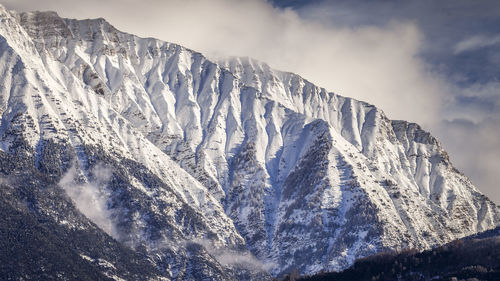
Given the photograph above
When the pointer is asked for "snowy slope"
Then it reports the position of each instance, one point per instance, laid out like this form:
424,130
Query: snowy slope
304,178
395,174
155,204
71,112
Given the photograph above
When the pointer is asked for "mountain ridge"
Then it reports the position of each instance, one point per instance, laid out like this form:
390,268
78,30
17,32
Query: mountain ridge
303,178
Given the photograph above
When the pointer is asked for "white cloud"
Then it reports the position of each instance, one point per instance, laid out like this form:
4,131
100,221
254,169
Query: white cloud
91,197
476,42
476,102
473,147
229,257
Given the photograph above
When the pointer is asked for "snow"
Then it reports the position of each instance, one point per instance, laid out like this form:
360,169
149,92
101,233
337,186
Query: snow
231,137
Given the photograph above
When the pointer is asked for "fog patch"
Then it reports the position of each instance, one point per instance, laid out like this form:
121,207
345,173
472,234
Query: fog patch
90,195
231,257
473,147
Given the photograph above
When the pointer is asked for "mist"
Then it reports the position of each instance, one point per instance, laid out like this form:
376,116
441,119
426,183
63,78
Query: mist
229,257
91,197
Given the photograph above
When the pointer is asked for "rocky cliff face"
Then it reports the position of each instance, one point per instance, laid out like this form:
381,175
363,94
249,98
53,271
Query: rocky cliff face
218,170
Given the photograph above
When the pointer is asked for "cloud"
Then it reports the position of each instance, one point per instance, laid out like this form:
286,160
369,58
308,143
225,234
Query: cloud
225,255
91,197
230,257
473,146
475,102
470,133
476,42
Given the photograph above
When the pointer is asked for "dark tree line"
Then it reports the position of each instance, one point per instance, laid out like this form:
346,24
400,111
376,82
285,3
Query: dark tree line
464,259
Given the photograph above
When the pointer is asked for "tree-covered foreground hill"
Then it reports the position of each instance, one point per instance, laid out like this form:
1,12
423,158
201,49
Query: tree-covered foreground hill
471,258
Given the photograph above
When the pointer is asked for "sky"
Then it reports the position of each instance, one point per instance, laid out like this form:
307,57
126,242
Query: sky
436,63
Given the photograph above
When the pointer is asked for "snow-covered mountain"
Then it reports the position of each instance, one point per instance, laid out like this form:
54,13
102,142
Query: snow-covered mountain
217,170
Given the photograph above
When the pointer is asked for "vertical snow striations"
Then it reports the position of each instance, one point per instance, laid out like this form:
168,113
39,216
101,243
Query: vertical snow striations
62,118
232,152
400,172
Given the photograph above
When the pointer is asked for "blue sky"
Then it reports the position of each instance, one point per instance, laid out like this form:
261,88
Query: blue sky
436,63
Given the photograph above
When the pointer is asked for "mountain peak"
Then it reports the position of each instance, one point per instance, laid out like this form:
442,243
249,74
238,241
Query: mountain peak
48,24
43,24
190,161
